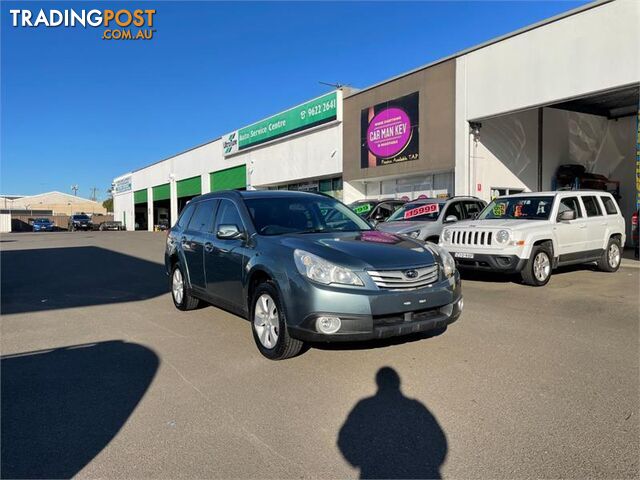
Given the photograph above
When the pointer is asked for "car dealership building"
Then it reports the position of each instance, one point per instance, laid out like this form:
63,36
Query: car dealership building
553,105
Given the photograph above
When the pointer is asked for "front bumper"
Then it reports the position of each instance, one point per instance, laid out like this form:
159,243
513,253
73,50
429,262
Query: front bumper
372,314
493,263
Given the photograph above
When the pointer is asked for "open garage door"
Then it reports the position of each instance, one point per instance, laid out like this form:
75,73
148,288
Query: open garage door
141,208
188,189
584,143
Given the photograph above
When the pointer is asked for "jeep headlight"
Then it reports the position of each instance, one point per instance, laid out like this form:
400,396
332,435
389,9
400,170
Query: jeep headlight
503,236
321,271
446,235
448,263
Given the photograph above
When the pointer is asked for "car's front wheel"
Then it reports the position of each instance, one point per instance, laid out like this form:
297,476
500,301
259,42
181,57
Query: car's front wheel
269,325
611,257
537,270
179,293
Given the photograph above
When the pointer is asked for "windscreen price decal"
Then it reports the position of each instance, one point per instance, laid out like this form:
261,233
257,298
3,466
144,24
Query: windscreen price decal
422,210
362,208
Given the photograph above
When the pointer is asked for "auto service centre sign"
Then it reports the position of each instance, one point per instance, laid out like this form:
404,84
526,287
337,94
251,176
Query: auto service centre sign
389,132
303,117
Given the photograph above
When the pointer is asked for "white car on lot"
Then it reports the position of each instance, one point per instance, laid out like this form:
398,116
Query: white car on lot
533,233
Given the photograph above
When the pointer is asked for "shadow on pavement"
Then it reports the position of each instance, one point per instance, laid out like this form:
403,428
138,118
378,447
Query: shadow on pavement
61,407
392,436
52,278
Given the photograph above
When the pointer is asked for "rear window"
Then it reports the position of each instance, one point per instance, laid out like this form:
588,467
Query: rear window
591,206
609,206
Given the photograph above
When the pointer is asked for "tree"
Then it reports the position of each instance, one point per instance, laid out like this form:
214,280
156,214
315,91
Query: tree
108,204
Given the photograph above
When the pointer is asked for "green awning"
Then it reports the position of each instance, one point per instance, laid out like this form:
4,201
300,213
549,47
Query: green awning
189,187
161,192
140,196
229,179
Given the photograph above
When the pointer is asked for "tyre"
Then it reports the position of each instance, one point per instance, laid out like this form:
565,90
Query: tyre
269,325
537,270
611,257
179,293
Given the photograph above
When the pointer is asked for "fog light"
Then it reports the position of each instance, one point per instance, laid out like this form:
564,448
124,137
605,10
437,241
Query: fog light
447,310
460,304
328,325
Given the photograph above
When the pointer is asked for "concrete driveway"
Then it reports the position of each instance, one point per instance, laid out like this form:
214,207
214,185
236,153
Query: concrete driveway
102,377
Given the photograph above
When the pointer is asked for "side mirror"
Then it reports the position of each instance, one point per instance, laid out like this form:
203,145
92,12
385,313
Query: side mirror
450,219
229,232
567,215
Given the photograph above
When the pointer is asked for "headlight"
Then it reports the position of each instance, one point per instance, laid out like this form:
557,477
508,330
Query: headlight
321,271
448,263
446,235
413,233
503,236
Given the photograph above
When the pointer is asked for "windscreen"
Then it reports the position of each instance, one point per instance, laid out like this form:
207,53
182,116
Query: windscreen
518,208
80,217
419,212
312,214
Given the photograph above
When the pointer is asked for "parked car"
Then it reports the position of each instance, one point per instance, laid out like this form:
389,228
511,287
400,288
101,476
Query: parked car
111,225
634,234
424,219
43,225
304,267
376,211
533,233
79,222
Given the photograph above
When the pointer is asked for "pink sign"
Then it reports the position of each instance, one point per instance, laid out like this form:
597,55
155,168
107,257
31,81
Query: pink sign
389,132
422,210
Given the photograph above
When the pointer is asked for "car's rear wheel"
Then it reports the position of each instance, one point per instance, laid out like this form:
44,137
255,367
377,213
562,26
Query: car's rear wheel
269,325
182,299
537,270
612,257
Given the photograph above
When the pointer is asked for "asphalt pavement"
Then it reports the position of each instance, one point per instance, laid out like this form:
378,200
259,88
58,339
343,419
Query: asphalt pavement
103,377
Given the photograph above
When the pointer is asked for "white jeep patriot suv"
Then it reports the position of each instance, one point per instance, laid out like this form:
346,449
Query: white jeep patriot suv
533,233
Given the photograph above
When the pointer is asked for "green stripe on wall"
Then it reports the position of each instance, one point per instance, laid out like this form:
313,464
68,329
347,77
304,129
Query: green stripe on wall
161,192
140,196
229,179
189,187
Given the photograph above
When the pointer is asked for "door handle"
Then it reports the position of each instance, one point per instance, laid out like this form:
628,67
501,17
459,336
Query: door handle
208,247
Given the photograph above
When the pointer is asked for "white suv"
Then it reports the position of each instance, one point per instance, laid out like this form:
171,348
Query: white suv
533,233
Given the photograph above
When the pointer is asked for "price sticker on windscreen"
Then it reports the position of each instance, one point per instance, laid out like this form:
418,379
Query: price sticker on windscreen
422,210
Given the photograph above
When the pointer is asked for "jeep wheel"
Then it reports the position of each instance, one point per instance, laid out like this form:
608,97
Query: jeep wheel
269,325
611,257
537,270
181,297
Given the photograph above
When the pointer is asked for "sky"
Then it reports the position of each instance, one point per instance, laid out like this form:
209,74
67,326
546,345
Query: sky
77,109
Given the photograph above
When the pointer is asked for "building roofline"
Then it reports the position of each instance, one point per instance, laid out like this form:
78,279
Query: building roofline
171,156
60,193
490,42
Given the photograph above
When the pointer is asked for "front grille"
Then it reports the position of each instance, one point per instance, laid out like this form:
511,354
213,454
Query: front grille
402,279
471,237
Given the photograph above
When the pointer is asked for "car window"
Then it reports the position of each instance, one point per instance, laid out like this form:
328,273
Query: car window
570,203
609,205
385,210
202,219
277,216
472,209
228,214
518,208
591,206
183,220
455,209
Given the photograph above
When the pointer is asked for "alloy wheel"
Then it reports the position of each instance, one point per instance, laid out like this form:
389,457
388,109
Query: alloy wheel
541,266
614,255
266,321
177,286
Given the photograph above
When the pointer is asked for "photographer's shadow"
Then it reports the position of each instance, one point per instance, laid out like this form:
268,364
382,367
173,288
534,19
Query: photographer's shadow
392,436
